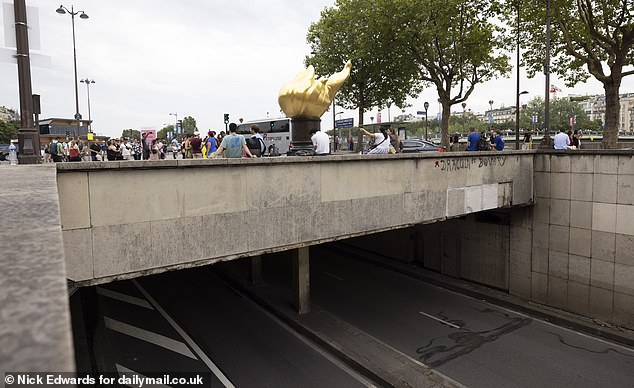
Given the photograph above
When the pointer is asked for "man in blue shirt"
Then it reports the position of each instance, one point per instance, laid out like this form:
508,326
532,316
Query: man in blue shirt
498,141
473,139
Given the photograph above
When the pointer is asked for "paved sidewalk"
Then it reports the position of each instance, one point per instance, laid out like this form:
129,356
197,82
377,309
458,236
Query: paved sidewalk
366,354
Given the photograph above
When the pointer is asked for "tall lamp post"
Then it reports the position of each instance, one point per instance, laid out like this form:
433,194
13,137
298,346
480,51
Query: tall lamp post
546,140
82,15
28,136
88,82
517,118
176,129
426,105
490,115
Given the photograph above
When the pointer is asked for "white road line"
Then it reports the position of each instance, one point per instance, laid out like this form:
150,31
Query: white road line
148,336
440,320
332,276
216,371
124,298
123,371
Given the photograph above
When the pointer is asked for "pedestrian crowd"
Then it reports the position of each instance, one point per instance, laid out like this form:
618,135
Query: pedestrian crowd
190,146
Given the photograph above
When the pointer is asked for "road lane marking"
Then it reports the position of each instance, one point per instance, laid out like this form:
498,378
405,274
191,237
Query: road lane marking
124,298
210,364
148,336
332,276
123,371
440,320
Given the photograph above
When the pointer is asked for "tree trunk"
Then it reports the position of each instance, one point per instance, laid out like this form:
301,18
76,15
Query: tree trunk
612,113
444,124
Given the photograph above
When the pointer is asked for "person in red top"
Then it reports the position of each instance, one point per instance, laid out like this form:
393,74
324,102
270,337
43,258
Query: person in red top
197,145
73,152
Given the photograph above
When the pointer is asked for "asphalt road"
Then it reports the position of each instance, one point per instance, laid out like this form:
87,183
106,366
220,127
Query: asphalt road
213,328
473,342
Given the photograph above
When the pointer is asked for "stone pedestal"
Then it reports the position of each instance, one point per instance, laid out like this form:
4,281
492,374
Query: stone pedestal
301,145
29,146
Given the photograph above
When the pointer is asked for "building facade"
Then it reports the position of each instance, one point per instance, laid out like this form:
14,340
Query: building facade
594,106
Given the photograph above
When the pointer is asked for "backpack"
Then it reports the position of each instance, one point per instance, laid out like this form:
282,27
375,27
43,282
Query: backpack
253,143
53,149
483,145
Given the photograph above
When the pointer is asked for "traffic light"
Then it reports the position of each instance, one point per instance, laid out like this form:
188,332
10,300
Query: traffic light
226,118
179,126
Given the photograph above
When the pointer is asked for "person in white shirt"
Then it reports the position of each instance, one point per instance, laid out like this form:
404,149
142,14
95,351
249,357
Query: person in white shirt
321,142
126,149
381,141
562,141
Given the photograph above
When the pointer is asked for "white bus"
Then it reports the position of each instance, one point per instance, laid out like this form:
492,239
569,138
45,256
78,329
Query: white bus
276,132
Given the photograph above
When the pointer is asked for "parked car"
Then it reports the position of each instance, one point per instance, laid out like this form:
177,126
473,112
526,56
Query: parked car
414,145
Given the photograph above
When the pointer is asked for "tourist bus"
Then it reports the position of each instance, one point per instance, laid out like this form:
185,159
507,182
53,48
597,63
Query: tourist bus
276,132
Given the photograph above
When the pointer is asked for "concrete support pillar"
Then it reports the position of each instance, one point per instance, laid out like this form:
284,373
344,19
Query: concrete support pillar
301,280
255,272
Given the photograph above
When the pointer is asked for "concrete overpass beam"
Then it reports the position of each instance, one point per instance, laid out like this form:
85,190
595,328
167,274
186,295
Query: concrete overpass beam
301,280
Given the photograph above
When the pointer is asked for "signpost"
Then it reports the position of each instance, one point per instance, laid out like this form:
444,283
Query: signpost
344,123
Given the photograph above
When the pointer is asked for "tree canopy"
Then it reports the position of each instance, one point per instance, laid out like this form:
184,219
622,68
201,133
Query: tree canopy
588,38
189,125
397,46
454,45
359,30
8,130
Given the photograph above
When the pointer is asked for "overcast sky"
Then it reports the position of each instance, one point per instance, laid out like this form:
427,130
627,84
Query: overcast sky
195,58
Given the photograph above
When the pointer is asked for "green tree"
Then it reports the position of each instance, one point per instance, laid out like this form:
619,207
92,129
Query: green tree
561,111
589,38
453,43
359,30
189,125
131,133
8,131
162,133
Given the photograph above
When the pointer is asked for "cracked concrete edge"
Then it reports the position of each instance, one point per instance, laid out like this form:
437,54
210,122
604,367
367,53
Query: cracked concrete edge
547,313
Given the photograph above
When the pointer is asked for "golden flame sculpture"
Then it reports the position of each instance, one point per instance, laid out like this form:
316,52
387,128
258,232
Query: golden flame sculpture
307,98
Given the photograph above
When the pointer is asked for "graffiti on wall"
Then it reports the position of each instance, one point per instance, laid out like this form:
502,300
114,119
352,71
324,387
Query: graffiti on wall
456,164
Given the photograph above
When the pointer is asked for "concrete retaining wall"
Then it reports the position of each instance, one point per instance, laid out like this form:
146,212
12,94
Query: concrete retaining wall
580,257
124,219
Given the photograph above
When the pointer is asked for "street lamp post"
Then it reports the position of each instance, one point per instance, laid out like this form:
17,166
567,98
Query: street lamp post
334,125
88,82
490,115
547,73
426,105
82,15
517,118
176,129
28,136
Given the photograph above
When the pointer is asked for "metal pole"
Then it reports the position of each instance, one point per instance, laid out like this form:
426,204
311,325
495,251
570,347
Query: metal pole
28,136
89,116
426,138
334,126
77,115
517,90
547,73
